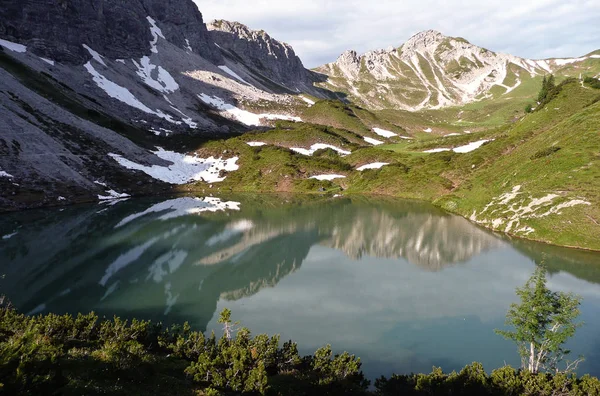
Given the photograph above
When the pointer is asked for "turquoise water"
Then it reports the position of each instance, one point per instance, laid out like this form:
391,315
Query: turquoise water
401,284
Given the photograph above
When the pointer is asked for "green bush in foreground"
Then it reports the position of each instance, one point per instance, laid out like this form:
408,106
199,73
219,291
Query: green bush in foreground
52,354
472,380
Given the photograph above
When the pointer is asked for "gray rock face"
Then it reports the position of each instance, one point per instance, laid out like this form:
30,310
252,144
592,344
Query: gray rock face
150,67
349,63
117,29
273,59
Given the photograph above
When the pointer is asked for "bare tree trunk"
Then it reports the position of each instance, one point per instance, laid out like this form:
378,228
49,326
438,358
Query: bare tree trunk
531,358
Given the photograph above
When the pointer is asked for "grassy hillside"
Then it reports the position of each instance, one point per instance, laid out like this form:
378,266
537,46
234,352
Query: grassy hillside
536,177
554,151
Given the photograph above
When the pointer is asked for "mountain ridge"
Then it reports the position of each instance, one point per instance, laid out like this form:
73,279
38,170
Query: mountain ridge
90,81
433,71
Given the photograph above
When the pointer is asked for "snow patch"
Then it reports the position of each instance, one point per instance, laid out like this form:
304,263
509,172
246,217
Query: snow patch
525,230
96,56
116,91
544,65
384,133
187,120
462,149
318,146
562,62
112,194
372,141
328,177
124,95
233,74
188,46
470,147
160,131
156,33
4,174
6,237
256,144
164,82
243,116
511,213
374,165
48,61
428,130
13,46
185,168
307,100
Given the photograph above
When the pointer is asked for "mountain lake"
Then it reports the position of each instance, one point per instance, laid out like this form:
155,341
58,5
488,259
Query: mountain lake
402,284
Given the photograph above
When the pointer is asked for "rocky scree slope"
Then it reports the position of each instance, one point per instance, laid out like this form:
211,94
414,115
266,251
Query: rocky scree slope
432,71
88,85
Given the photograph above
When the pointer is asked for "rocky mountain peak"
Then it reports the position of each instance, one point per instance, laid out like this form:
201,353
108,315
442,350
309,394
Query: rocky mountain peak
349,59
240,30
349,63
423,40
269,57
432,70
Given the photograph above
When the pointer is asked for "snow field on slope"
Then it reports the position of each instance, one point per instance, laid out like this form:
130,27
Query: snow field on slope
96,56
318,146
327,177
307,100
20,48
156,33
243,116
185,168
374,165
462,149
384,133
122,94
372,141
164,82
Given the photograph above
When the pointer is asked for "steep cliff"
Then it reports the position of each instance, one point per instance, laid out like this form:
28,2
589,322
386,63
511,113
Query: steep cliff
266,56
56,29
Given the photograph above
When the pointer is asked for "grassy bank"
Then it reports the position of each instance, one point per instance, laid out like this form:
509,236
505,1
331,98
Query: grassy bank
536,178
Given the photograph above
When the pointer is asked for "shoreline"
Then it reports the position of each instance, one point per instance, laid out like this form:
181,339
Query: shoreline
203,191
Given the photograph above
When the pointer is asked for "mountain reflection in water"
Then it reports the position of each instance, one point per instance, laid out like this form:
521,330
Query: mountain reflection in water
184,258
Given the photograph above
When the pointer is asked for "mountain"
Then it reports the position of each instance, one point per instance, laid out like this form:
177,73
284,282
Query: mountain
84,82
432,71
266,60
100,100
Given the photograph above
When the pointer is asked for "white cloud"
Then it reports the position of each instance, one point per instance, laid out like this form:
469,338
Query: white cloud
321,30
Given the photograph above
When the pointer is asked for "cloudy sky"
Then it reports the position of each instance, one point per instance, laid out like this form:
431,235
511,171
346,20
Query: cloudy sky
320,30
